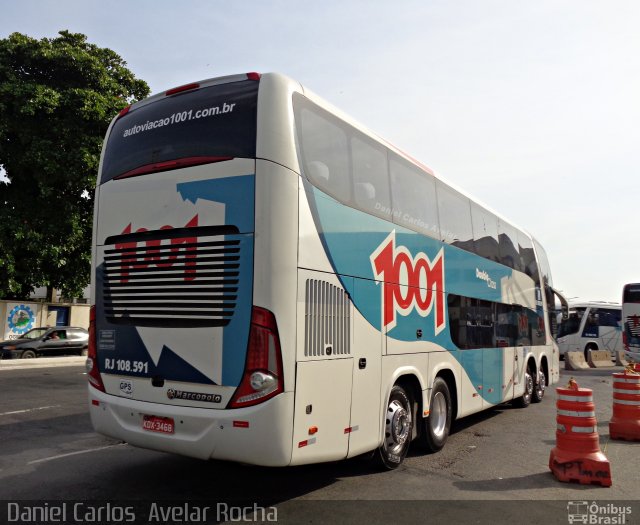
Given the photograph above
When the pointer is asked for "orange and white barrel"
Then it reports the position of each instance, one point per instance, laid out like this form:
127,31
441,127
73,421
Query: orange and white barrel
625,422
577,456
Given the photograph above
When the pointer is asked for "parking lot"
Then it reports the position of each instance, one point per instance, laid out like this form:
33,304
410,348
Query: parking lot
494,466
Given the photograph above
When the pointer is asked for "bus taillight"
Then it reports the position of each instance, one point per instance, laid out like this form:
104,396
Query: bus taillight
92,355
262,378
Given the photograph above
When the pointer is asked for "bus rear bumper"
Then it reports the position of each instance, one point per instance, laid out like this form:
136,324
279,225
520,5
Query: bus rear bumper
258,435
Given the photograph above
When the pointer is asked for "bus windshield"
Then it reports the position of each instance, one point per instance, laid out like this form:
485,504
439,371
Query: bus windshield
201,124
572,324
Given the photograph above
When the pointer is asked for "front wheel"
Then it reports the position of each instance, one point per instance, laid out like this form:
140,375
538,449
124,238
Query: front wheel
436,426
28,354
398,429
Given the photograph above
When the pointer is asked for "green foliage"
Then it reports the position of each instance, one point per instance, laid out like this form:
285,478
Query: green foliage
57,98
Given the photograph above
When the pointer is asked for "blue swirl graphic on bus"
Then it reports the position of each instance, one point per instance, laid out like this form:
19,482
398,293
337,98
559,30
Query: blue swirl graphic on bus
21,319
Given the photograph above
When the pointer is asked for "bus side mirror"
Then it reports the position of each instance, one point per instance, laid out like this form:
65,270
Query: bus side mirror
564,304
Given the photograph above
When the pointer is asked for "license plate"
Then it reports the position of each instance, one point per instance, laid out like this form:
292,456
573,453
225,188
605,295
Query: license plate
163,425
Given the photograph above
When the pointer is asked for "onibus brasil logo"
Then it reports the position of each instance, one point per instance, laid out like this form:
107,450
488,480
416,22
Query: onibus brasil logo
409,283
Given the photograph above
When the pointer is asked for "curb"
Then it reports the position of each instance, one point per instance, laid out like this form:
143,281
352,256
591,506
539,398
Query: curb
41,362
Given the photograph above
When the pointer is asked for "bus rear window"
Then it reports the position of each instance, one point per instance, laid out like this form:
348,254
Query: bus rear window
215,121
631,294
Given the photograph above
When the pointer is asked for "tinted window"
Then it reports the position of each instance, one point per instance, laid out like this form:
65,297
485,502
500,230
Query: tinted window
609,317
508,240
528,257
631,294
475,323
370,177
216,121
414,197
325,151
485,233
454,211
572,324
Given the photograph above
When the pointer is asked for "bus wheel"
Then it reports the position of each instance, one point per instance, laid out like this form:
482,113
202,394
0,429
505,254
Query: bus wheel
436,426
525,399
588,349
398,428
539,388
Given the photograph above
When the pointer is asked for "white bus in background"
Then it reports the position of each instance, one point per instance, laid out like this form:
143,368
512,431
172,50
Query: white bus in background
591,326
631,321
275,285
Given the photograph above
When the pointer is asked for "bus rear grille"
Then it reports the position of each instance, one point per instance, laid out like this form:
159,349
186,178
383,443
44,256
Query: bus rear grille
327,320
181,278
634,325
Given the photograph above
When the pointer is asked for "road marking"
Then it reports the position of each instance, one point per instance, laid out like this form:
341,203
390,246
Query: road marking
28,410
77,452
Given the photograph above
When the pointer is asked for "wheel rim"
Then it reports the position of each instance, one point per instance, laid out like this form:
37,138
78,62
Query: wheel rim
528,386
542,384
438,415
398,427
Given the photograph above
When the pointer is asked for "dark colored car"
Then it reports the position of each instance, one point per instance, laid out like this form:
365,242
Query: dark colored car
46,341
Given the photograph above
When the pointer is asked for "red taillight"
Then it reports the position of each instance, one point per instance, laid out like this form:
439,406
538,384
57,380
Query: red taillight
253,76
92,355
180,89
124,111
262,378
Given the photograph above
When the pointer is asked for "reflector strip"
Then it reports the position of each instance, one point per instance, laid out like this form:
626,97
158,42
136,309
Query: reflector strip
632,380
241,424
576,399
575,413
583,430
306,442
626,391
625,402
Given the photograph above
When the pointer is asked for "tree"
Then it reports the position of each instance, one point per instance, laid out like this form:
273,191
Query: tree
57,98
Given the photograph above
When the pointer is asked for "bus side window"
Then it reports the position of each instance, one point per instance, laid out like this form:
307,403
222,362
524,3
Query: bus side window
370,178
454,212
413,197
326,156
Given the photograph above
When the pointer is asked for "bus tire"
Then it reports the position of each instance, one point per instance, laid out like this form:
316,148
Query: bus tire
436,427
588,349
398,429
525,399
539,387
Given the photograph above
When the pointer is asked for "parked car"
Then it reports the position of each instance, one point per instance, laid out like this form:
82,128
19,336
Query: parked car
46,341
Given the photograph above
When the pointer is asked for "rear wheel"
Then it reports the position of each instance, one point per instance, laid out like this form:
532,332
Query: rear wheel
539,387
28,354
398,428
525,399
436,426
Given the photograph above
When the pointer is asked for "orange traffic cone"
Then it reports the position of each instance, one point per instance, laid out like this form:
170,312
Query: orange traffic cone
625,422
577,456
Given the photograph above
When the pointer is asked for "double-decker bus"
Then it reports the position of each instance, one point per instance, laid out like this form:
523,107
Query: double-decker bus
276,285
631,321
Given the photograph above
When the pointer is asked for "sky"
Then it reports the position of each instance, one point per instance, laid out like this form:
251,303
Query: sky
533,108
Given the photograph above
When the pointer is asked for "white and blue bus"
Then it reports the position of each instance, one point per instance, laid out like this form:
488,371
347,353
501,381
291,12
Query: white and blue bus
276,285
